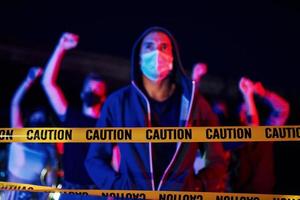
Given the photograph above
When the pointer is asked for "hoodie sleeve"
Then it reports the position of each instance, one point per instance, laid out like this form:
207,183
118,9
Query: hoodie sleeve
99,157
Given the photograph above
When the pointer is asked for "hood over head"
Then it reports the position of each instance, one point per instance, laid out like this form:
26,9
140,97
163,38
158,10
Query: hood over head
178,74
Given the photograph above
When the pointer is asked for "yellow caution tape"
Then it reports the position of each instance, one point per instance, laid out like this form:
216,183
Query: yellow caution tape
166,134
141,194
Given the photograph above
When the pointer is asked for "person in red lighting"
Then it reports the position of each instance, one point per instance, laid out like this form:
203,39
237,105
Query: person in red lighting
93,95
254,172
199,70
160,95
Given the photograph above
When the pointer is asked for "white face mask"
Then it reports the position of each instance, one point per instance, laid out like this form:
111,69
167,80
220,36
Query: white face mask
156,65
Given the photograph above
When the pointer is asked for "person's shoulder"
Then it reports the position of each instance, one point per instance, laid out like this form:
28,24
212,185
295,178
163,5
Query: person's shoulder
120,94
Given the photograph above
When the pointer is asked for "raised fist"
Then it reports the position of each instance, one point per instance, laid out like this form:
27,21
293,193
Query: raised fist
68,41
246,86
199,70
259,89
34,73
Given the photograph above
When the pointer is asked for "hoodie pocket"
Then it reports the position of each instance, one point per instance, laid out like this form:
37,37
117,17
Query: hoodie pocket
121,183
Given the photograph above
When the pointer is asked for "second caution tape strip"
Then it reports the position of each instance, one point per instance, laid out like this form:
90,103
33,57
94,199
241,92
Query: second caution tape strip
166,134
141,194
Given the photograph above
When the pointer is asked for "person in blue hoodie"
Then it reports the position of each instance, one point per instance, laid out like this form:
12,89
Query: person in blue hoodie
160,95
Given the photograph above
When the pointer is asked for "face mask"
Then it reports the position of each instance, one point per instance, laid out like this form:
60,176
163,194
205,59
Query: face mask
156,65
90,99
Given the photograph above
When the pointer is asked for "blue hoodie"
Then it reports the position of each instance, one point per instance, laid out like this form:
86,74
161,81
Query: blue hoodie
130,107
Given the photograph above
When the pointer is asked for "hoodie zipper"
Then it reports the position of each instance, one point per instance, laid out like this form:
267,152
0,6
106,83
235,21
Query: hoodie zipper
178,147
149,123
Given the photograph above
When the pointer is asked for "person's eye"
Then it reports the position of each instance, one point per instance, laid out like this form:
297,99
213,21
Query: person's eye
164,47
148,46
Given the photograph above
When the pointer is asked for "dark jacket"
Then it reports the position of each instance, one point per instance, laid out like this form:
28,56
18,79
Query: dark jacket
129,107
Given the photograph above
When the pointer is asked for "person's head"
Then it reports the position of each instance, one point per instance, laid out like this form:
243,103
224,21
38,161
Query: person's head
93,91
39,117
220,108
199,70
156,56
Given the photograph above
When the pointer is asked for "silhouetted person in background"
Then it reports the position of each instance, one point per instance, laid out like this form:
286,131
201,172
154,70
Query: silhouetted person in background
30,162
93,95
253,171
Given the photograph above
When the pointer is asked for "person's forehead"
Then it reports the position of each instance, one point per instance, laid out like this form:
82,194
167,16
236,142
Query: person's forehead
157,37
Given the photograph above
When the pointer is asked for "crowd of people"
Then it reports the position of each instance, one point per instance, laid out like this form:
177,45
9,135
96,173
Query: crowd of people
160,94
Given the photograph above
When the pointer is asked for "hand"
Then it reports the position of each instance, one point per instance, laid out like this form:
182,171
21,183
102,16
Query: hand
68,41
259,89
34,73
246,86
116,158
199,70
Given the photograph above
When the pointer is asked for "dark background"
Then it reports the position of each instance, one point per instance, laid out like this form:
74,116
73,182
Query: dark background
255,39
258,40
